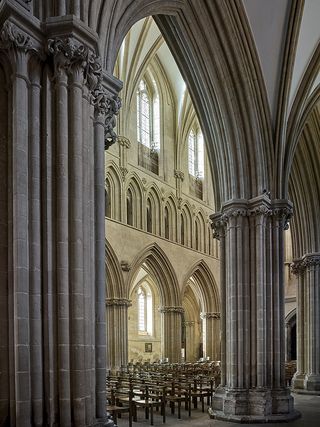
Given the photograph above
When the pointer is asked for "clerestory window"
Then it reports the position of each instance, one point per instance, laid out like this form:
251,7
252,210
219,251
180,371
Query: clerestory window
148,125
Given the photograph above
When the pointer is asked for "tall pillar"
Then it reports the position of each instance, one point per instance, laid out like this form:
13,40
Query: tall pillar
117,332
253,352
57,116
211,335
171,324
307,378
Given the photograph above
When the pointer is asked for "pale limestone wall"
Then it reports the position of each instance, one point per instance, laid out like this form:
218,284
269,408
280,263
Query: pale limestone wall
128,242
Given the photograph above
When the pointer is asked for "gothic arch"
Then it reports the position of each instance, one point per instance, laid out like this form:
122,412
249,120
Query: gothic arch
234,159
135,185
170,204
154,195
186,210
206,284
115,188
114,278
159,266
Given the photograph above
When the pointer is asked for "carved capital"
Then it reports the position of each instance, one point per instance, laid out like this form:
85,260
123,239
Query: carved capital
123,141
171,309
308,261
189,323
124,172
13,37
118,302
210,315
179,175
108,105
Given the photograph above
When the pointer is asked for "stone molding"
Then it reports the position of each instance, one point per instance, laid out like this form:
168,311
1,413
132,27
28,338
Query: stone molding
71,55
118,302
171,309
261,206
299,266
210,315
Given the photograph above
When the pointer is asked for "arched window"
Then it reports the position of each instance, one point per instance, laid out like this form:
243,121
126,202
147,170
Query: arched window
129,207
196,162
149,216
166,223
196,154
145,310
148,125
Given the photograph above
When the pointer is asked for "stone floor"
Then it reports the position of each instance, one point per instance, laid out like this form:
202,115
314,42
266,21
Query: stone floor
309,406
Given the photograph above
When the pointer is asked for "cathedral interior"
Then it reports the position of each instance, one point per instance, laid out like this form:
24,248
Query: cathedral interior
159,212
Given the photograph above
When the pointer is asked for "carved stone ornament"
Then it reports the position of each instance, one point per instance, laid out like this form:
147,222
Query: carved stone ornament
123,141
12,37
220,220
172,309
299,266
69,52
124,172
179,175
189,323
119,302
212,315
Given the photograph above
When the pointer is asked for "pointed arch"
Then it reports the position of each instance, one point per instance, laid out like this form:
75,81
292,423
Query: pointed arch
133,201
153,207
206,284
115,287
170,229
114,189
156,262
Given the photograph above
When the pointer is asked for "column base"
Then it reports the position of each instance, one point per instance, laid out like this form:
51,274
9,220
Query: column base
306,384
253,405
105,422
298,381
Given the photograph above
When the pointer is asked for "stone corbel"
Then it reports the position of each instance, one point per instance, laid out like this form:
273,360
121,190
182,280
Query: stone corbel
119,302
299,266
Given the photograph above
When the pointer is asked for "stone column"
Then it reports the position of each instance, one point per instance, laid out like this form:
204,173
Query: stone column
211,335
190,354
117,332
307,378
253,352
171,332
20,299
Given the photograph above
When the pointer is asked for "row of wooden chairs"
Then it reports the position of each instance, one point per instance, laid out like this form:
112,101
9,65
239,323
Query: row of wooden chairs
155,389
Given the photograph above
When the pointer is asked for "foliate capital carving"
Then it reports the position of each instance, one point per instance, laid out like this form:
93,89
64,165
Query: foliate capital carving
118,302
171,309
299,266
279,209
124,172
123,141
13,37
210,315
108,105
179,175
71,55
